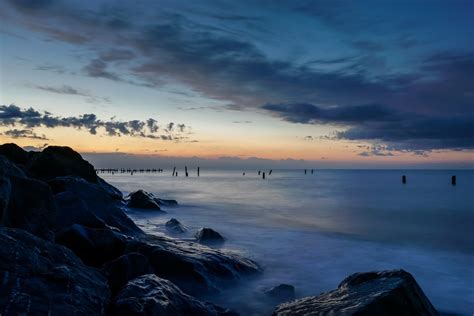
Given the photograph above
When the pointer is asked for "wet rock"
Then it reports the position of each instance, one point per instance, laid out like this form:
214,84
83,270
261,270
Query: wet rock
94,246
281,293
9,169
374,293
152,296
143,200
196,269
38,277
125,268
208,236
98,202
14,153
174,226
167,203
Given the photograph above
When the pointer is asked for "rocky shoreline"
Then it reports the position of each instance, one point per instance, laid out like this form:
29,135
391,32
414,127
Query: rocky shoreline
68,247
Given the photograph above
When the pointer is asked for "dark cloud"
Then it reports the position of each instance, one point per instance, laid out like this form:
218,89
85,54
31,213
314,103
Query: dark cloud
97,68
13,115
65,89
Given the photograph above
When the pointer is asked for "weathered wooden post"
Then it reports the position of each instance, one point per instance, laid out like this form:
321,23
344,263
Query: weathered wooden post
453,180
311,171
304,171
270,172
186,171
174,170
404,179
198,171
263,175
259,172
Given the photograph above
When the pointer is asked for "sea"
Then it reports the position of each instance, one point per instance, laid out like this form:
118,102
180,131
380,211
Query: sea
312,230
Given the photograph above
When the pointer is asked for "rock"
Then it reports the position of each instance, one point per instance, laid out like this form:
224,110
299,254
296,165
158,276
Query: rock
58,161
31,207
196,269
373,293
174,226
168,203
98,202
9,169
281,293
14,153
94,246
125,268
38,277
152,296
143,200
208,236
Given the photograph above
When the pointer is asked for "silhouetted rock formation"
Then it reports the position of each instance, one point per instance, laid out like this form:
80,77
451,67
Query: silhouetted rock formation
14,153
208,236
373,293
38,277
143,200
281,293
174,226
151,295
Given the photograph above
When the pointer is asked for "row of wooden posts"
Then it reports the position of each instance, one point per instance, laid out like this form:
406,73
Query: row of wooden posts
186,173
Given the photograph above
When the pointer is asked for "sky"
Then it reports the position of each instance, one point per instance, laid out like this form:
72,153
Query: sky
327,83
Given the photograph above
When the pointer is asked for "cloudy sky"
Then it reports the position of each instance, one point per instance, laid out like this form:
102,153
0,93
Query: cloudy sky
333,82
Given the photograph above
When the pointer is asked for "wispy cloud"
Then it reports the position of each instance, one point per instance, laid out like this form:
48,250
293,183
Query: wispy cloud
68,90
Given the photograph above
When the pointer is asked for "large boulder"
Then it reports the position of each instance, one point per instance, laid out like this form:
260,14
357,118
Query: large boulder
281,292
14,153
152,296
125,268
97,200
38,277
175,227
194,268
207,235
142,200
94,246
374,293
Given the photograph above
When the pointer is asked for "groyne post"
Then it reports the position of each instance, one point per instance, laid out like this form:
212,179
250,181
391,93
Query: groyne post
453,180
263,175
198,171
186,171
404,179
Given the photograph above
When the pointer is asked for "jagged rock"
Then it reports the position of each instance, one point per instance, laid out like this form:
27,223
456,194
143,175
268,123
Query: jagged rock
281,293
98,202
94,246
143,200
38,277
194,268
174,226
152,296
14,153
208,236
374,293
165,202
125,268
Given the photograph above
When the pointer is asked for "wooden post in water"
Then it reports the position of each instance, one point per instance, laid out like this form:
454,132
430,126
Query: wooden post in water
186,171
174,170
259,172
304,171
263,175
243,173
198,171
453,180
270,172
311,171
404,179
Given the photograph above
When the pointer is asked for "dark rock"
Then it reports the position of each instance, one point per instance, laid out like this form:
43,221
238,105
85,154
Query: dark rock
94,246
174,226
281,293
98,202
14,153
152,296
165,202
125,268
208,236
143,200
374,293
194,268
38,277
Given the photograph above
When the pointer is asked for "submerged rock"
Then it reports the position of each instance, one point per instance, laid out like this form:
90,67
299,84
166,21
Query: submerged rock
174,226
152,296
94,246
208,236
281,293
373,293
38,277
194,268
125,268
143,200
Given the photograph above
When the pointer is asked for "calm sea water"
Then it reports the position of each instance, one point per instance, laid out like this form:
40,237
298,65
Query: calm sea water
312,231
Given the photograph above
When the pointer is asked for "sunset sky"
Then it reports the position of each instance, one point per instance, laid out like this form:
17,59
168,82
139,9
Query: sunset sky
333,82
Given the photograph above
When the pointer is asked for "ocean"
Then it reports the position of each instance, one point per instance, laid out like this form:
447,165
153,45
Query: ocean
313,230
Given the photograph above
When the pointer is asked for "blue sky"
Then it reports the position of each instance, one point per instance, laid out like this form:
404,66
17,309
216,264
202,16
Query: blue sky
372,81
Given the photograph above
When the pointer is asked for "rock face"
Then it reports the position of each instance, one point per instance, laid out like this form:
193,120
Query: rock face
143,200
194,268
281,293
125,268
38,277
97,200
94,246
374,293
152,296
174,226
208,236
